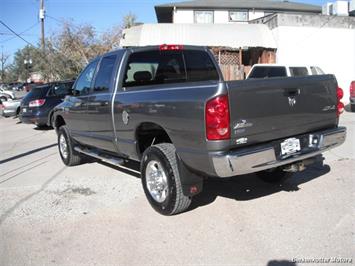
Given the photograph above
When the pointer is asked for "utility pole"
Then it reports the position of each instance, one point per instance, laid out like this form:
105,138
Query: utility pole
2,64
41,17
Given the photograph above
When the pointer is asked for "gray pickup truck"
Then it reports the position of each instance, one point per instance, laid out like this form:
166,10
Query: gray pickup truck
169,108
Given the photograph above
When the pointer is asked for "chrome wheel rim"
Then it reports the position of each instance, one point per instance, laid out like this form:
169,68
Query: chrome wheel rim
156,181
63,146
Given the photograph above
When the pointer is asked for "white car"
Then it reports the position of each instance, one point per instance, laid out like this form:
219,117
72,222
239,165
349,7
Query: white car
6,94
276,70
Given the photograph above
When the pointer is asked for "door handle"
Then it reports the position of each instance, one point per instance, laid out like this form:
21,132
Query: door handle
292,92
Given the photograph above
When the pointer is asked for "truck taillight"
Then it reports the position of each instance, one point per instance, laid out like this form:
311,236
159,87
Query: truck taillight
352,89
217,118
340,105
37,103
170,47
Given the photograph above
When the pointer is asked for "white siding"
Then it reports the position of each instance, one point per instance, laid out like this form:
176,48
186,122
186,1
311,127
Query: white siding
332,49
184,16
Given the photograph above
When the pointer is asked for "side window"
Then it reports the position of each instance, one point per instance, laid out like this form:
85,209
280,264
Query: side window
104,74
83,84
199,66
154,67
313,70
61,89
319,71
298,71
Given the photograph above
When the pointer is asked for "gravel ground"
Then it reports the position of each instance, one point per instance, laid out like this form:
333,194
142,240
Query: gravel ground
98,215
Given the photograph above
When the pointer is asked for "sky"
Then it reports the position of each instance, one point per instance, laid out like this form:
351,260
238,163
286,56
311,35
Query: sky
22,16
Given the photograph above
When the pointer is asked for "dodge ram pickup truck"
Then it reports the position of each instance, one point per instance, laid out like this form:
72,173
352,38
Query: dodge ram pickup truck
169,108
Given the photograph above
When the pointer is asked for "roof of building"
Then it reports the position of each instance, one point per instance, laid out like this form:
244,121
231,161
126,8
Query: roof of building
224,35
164,12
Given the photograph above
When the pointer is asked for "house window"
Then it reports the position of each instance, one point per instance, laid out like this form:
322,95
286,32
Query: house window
203,16
240,15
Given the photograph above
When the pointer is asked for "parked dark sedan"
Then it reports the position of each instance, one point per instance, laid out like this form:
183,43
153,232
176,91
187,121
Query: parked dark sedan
37,106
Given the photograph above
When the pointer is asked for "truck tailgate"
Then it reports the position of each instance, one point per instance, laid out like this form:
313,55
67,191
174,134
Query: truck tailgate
268,109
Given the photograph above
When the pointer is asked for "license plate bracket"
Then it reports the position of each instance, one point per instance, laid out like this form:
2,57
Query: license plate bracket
290,146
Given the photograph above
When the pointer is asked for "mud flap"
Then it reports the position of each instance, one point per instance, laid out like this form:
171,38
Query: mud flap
192,183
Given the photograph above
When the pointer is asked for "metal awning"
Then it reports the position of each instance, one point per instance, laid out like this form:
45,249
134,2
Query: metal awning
213,35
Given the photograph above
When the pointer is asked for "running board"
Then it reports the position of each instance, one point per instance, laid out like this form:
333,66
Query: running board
106,159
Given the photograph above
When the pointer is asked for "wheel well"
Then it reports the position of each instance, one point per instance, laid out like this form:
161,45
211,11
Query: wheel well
59,121
148,134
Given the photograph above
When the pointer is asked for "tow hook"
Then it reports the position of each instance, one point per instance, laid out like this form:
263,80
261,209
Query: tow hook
301,166
295,167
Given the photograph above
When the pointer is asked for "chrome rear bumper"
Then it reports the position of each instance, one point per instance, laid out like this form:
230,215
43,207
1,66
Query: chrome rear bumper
263,157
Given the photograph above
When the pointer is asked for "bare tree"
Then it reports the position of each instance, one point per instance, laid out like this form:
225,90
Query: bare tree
3,64
129,20
68,50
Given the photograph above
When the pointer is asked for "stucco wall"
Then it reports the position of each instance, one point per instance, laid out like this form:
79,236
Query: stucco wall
332,49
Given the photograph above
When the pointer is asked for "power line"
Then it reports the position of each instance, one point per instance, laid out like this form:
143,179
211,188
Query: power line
18,35
11,34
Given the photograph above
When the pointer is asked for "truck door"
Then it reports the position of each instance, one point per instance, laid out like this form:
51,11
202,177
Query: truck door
99,115
77,117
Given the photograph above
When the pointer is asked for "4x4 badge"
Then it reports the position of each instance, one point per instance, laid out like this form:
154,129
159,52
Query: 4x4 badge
291,101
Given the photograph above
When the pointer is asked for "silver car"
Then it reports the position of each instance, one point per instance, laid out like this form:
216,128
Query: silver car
11,108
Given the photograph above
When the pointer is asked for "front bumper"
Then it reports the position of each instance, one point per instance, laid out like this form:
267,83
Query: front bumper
263,157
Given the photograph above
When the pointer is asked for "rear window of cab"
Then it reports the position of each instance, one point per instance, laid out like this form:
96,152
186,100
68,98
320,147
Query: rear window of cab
165,67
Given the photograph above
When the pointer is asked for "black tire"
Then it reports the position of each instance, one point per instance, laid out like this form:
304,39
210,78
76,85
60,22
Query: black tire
72,157
3,99
175,201
352,107
50,121
276,175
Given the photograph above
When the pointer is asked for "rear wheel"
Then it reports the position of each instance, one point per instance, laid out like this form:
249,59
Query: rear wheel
66,149
275,175
161,180
352,107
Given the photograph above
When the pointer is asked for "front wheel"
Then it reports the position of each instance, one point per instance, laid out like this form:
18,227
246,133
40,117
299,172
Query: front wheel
66,149
161,180
276,175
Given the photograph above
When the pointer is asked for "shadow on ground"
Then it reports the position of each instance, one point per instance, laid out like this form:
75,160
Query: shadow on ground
43,128
241,188
249,187
281,263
